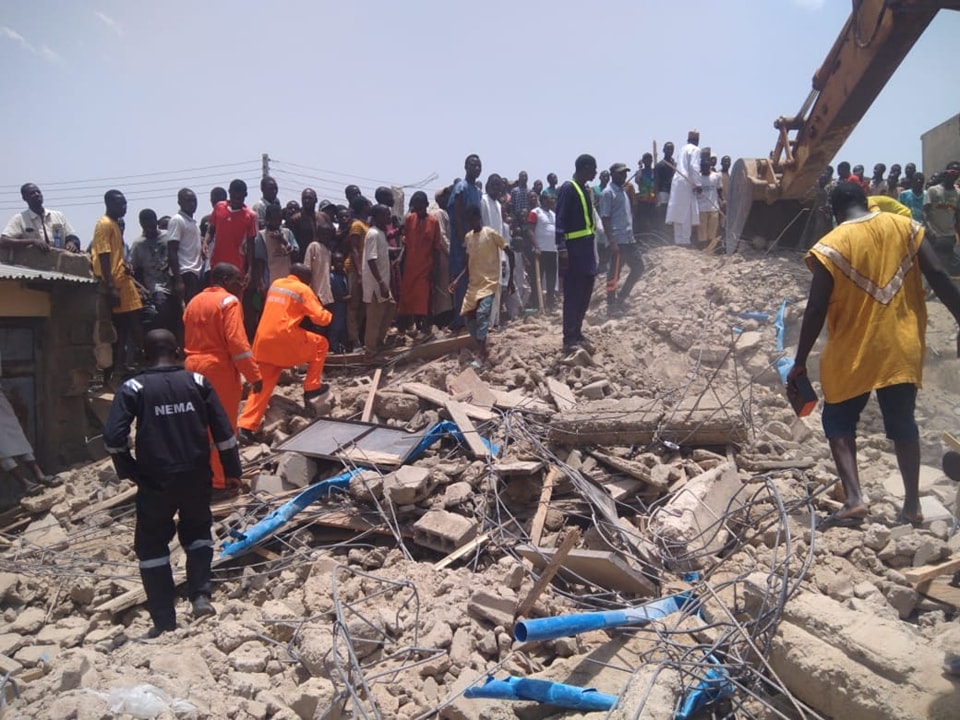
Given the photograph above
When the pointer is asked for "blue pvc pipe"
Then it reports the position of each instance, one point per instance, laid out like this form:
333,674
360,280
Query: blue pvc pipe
567,625
758,316
275,520
438,431
714,685
542,691
780,325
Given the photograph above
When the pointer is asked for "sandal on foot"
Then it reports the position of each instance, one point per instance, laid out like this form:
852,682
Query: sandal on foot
834,519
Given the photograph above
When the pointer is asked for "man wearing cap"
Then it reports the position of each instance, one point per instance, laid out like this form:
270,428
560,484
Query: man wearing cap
682,209
615,215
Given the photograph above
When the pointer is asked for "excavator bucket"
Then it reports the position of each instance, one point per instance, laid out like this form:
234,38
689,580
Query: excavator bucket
756,215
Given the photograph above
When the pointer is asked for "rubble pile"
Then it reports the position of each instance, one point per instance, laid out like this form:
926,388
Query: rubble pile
665,465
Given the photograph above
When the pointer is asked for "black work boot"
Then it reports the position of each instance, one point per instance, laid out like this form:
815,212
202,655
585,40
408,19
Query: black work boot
202,606
161,596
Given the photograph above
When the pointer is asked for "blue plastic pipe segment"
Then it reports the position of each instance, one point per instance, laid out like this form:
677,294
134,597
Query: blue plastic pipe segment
714,686
758,316
568,625
438,431
275,520
779,324
542,691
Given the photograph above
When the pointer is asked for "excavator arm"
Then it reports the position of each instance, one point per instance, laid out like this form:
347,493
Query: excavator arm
768,196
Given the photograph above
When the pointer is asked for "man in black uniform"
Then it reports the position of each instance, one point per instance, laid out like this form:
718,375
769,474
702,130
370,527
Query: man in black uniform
176,411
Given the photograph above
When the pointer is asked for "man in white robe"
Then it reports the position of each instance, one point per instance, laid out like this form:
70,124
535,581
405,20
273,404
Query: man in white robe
14,446
682,209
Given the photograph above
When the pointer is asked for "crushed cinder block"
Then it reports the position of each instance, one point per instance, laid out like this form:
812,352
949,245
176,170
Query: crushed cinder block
267,483
695,522
296,470
408,485
366,486
443,531
496,607
391,405
45,532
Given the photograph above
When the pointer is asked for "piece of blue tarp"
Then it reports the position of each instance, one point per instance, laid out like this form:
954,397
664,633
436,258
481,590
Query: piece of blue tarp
714,685
542,691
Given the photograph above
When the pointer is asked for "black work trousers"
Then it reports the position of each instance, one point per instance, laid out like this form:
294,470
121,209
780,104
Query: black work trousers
159,499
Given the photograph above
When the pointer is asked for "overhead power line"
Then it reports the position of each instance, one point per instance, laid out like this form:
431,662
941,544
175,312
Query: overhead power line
186,171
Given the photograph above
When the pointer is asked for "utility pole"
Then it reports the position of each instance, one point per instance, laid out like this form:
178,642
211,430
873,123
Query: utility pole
265,160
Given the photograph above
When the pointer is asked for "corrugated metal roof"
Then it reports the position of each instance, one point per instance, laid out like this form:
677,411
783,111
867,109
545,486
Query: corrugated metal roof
19,272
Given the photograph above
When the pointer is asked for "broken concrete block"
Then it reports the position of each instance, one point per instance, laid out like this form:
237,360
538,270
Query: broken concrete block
297,470
443,531
408,485
366,486
902,599
602,569
695,522
45,532
395,405
33,655
859,666
456,494
933,510
497,608
8,582
8,665
28,621
42,502
652,694
270,484
596,390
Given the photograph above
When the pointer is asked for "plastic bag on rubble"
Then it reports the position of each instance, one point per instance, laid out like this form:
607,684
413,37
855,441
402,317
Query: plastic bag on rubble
146,702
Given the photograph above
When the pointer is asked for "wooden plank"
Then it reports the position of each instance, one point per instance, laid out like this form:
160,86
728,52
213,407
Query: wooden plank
436,348
540,517
474,443
951,441
440,398
371,396
916,576
118,499
516,400
549,572
562,395
941,591
636,470
461,552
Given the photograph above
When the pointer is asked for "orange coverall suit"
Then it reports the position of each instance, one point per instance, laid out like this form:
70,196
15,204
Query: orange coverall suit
216,346
281,342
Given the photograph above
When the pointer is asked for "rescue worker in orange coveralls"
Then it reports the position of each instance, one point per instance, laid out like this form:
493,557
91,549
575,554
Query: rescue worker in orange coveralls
283,341
216,346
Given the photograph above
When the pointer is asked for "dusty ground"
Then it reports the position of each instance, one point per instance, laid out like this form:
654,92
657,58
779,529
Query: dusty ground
331,623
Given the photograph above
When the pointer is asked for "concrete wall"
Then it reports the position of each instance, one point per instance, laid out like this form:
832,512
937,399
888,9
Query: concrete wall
941,145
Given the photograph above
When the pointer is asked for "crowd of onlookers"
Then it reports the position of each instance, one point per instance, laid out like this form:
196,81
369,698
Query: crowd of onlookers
415,280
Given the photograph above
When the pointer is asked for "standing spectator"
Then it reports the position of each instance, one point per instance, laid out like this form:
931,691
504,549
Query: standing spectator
518,195
384,196
492,216
353,244
663,181
551,188
421,233
340,289
235,226
175,410
624,250
380,304
909,171
942,211
282,342
542,225
600,186
893,181
915,198
645,210
682,209
844,174
184,248
465,194
576,252
269,192
859,173
216,346
149,261
351,192
317,256
39,226
274,248
876,327
484,247
110,267
877,184
441,302
708,205
15,447
537,187
207,238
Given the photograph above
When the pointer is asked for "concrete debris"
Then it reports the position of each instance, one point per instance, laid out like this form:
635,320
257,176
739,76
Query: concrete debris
666,463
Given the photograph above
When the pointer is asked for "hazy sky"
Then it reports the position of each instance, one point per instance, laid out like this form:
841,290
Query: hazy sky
150,96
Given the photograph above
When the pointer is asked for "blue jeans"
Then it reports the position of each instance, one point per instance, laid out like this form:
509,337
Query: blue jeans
478,322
